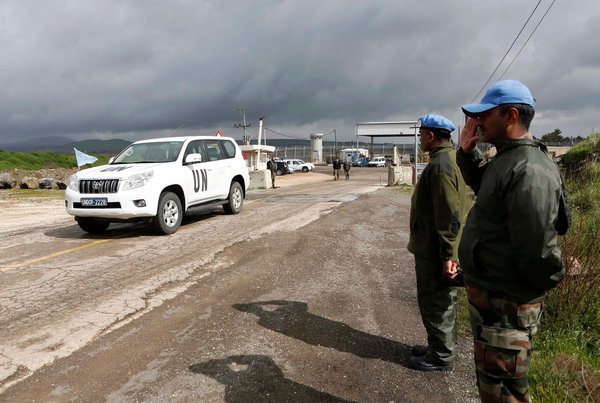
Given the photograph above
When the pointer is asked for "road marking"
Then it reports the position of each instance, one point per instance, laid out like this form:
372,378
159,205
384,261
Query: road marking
55,254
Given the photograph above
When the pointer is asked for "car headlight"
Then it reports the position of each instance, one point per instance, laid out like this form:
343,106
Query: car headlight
74,183
138,180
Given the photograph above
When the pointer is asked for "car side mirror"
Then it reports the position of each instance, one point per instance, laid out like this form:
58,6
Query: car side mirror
111,159
192,158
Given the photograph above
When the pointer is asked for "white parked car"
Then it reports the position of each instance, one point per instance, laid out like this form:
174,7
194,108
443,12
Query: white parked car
299,165
377,162
158,181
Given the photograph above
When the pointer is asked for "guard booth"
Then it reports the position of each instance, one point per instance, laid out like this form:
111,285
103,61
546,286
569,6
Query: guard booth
406,129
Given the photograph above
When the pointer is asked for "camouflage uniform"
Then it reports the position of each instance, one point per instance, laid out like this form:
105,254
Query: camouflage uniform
337,165
510,257
272,166
437,209
347,165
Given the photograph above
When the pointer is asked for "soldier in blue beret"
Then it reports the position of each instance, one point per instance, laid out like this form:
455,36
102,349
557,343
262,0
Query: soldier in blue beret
437,209
509,250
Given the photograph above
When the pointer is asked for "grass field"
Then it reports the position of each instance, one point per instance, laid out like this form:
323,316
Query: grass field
39,160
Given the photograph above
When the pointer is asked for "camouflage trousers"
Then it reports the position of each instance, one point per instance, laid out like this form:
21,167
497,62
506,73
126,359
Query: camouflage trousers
503,331
437,303
273,176
336,174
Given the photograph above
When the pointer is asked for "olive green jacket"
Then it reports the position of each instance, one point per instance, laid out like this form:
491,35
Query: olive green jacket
509,242
438,208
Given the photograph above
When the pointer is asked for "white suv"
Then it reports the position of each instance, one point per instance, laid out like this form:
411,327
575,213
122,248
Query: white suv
299,165
158,180
377,162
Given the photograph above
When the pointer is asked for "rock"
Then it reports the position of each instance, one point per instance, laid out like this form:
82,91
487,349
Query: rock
7,181
28,183
45,183
60,184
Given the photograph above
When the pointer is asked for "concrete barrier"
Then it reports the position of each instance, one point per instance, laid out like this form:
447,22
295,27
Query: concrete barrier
400,174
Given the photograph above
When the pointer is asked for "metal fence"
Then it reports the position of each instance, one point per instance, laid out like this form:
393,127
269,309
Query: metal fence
304,152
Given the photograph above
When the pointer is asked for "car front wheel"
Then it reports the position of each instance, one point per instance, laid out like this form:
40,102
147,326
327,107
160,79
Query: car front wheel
235,201
304,169
169,215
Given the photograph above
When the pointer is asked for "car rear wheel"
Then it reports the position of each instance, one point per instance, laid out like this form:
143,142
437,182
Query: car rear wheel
279,172
92,225
169,215
235,201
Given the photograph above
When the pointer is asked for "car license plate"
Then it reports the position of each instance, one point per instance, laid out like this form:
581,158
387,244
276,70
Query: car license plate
94,202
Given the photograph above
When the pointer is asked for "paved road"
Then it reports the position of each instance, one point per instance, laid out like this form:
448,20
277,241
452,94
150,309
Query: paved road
307,295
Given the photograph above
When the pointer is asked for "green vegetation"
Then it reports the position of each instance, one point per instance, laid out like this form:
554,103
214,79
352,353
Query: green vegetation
41,160
566,364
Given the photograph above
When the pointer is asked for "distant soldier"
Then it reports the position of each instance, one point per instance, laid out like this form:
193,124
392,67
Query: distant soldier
347,166
272,166
337,165
437,211
509,250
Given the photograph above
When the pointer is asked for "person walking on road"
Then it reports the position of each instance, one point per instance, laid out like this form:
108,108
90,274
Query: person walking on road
272,166
436,215
508,250
347,165
337,165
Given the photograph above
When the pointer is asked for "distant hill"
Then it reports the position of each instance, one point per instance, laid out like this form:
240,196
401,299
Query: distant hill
37,144
95,146
55,144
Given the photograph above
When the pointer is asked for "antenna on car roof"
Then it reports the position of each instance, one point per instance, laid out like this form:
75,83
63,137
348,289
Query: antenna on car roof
175,129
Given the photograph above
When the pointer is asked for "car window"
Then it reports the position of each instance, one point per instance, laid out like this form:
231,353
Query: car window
213,150
195,147
167,151
229,148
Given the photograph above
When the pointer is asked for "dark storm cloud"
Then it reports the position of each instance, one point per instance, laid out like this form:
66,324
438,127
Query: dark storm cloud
141,68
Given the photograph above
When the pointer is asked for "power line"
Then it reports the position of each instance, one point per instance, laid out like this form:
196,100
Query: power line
284,135
530,35
505,54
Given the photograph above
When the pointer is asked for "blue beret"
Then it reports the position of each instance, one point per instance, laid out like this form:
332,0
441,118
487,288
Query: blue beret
503,92
436,122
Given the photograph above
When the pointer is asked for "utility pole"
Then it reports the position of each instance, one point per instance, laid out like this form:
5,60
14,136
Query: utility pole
245,139
335,143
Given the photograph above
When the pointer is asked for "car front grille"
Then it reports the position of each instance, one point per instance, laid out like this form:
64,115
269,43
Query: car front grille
98,186
110,205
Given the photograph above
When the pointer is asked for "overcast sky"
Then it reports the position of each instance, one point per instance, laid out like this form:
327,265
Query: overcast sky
138,69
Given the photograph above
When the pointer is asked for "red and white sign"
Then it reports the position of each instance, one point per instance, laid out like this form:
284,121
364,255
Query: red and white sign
218,133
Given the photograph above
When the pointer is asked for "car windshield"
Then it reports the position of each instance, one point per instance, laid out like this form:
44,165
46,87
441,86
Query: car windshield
140,153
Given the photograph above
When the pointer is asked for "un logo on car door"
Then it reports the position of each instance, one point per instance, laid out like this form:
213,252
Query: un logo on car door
200,180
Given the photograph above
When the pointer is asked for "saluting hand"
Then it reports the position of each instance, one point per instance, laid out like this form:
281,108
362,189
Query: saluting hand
468,135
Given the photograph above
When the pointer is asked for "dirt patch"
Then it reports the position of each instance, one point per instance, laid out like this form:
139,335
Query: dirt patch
301,178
